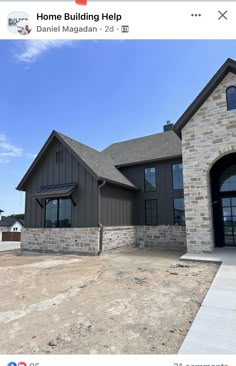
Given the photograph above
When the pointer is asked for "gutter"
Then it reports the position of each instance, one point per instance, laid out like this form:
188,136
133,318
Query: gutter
99,217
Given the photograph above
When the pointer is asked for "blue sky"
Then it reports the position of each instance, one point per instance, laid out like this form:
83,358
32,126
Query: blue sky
97,92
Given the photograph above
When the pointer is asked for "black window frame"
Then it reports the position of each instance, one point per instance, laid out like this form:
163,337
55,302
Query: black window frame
173,182
230,108
153,223
145,184
178,222
58,212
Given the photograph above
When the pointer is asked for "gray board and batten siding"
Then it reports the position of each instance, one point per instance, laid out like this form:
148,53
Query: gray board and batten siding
49,172
117,206
164,193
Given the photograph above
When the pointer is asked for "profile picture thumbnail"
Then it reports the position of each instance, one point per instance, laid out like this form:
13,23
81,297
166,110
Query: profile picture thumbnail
18,22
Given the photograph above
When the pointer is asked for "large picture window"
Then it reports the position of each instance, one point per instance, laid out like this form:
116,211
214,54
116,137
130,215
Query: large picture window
58,212
177,174
150,212
179,216
150,184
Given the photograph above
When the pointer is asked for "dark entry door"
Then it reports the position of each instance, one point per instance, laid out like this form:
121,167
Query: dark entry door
229,219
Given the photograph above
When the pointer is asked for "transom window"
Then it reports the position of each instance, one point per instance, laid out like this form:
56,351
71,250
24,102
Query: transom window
231,98
179,216
58,212
150,184
177,176
150,212
228,179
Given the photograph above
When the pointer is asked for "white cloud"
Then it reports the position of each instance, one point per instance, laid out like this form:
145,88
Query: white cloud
31,50
8,150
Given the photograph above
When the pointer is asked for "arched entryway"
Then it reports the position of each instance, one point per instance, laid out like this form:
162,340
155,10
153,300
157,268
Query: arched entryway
223,187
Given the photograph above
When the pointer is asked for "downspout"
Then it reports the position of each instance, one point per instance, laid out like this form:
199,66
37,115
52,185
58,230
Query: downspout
99,217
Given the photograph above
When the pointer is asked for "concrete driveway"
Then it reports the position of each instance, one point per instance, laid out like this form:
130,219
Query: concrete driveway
9,245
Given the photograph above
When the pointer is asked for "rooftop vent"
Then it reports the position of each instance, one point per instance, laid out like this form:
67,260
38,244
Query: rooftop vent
168,127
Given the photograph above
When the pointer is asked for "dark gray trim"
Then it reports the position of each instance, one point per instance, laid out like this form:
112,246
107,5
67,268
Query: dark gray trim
228,66
40,204
132,188
72,200
150,161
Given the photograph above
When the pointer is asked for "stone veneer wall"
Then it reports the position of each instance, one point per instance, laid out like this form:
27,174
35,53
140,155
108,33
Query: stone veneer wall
170,237
86,240
118,236
209,135
60,240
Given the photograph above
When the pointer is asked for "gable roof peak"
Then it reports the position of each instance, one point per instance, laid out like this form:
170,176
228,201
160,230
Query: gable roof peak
228,66
100,166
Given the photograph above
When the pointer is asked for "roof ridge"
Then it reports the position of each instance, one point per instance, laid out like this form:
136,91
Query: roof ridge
138,138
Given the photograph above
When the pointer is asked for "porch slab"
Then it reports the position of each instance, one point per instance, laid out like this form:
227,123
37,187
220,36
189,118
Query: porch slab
214,326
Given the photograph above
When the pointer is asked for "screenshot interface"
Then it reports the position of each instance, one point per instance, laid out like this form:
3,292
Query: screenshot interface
118,183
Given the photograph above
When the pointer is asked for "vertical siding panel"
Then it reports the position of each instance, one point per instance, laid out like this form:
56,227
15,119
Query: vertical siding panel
105,212
113,214
94,202
89,197
67,171
82,197
50,169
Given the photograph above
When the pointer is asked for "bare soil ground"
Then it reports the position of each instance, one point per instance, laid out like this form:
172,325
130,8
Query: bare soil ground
128,301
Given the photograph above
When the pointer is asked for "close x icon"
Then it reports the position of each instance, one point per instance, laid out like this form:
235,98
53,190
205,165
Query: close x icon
223,14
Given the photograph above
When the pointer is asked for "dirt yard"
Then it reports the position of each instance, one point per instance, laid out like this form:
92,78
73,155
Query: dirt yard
129,301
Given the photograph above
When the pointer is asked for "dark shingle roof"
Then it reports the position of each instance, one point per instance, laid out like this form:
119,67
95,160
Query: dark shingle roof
22,222
100,164
7,221
154,147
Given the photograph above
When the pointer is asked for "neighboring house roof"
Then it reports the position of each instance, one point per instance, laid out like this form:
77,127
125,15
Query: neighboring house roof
8,221
228,66
98,164
22,222
1,211
149,148
4,222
